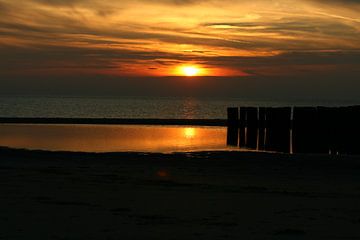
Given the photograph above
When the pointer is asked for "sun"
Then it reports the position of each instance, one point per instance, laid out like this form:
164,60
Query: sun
190,71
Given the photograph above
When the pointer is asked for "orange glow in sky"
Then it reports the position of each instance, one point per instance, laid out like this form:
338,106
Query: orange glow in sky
190,71
178,37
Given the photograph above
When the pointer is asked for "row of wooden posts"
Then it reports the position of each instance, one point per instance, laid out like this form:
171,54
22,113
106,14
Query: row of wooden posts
330,130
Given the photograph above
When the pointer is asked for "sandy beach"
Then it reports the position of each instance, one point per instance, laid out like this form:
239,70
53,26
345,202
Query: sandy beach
179,120
200,195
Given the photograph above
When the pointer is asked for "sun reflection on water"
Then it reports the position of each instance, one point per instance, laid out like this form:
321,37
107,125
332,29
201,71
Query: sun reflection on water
105,138
189,133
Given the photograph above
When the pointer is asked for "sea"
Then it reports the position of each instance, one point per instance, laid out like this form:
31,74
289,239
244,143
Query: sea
139,107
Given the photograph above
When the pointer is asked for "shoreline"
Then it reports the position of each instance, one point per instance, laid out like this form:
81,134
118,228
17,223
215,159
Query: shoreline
219,155
116,121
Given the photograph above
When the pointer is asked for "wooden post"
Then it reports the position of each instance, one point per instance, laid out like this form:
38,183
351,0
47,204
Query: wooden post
251,127
306,137
349,130
278,129
342,129
327,128
233,116
355,129
233,125
261,129
242,140
315,130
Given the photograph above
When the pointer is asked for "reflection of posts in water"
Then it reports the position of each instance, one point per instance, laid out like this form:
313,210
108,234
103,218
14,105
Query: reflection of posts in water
233,125
278,129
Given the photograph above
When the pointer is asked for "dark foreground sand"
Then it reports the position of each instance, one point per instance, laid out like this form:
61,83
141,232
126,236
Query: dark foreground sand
216,195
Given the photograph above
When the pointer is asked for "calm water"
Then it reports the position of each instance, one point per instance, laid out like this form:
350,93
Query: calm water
102,138
133,107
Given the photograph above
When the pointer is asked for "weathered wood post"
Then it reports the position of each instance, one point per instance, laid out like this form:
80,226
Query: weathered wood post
232,126
261,129
242,133
306,137
278,129
354,139
348,132
251,127
314,129
327,128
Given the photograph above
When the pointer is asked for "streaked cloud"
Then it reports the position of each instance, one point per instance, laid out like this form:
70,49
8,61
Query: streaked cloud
150,38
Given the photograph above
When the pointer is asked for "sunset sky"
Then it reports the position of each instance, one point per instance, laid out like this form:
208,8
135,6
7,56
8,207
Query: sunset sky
309,47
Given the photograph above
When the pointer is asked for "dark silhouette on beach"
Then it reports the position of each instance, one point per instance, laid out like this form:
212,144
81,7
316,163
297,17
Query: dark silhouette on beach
322,130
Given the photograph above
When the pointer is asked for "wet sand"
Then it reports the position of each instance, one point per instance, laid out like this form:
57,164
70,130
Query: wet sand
203,195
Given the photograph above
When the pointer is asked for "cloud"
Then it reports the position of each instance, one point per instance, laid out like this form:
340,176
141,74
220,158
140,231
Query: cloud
63,2
299,27
339,1
3,7
123,2
105,38
179,2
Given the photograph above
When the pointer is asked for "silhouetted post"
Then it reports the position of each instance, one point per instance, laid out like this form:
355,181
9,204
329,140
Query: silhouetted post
233,125
261,129
251,127
328,128
342,128
242,127
278,129
306,137
355,136
233,116
348,134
